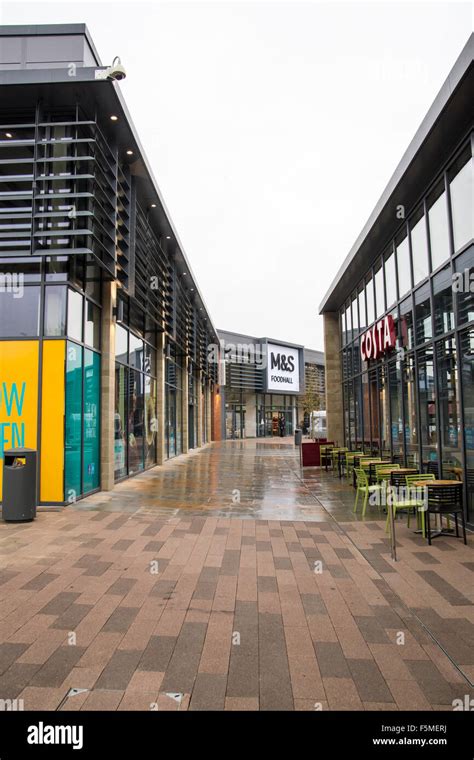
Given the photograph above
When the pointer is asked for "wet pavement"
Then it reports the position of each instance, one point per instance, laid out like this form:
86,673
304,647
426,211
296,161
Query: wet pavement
229,579
247,479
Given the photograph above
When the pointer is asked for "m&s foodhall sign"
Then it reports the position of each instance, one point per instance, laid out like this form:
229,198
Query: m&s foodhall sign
381,338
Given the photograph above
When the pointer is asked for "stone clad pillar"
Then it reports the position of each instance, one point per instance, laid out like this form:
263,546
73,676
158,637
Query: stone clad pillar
107,399
334,399
208,419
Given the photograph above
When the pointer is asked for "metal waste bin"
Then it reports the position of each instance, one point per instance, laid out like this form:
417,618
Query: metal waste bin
298,436
19,485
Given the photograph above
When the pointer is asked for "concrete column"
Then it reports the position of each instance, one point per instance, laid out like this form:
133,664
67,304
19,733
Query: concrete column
200,409
160,398
208,420
107,399
185,441
334,402
216,411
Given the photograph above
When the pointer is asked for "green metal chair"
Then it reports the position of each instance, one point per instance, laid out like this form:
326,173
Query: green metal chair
413,501
350,462
362,486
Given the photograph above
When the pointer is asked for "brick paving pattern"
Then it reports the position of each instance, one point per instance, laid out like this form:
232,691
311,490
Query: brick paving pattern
178,608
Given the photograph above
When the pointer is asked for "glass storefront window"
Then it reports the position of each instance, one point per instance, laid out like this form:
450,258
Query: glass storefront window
92,333
419,247
427,401
423,327
448,401
349,324
362,311
151,422
355,315
351,413
365,402
373,401
57,268
55,310
174,403
406,331
136,351
150,360
121,344
135,421
443,301
404,268
120,421
395,382
74,314
384,410
379,292
438,224
171,420
390,279
358,411
91,421
369,292
73,422
462,202
20,311
410,409
464,287
467,373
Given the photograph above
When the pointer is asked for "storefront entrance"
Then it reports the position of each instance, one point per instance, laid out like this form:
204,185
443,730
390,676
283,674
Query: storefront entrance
278,423
235,421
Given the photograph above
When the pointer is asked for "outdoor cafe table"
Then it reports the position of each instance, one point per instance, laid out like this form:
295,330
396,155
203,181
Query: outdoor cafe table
434,484
367,463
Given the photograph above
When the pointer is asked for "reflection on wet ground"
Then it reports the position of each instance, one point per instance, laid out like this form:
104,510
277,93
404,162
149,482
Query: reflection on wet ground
247,479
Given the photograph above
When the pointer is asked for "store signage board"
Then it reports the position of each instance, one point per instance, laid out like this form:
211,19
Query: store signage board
382,337
283,369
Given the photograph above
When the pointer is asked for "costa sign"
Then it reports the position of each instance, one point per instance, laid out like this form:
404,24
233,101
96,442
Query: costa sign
380,338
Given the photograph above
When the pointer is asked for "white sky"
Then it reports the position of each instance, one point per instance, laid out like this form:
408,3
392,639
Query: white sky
272,128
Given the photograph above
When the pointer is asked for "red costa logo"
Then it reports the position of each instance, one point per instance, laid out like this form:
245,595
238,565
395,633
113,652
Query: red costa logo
379,339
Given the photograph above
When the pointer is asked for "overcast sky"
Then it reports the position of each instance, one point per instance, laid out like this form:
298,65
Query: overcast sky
272,128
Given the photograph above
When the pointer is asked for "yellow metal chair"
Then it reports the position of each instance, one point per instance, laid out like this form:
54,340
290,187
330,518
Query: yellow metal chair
362,486
412,500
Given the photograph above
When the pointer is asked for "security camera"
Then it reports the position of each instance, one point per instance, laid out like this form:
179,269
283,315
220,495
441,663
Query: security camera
116,71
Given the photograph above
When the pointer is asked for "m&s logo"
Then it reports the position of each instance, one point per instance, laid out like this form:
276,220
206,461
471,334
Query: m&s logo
282,362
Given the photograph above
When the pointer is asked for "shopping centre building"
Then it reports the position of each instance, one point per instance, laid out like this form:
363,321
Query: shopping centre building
399,316
104,334
266,384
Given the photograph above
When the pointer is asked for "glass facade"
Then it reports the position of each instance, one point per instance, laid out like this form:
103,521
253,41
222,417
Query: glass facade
416,403
82,247
274,414
135,426
174,402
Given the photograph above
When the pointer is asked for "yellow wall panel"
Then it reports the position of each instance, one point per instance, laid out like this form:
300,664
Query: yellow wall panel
52,422
18,396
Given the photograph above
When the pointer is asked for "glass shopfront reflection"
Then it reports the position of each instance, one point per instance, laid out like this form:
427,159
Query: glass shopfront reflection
448,403
467,378
174,403
135,423
427,397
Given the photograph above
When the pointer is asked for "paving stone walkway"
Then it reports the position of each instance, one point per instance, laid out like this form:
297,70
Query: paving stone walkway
140,606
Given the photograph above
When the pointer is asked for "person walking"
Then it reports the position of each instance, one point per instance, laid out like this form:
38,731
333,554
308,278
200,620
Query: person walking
282,425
